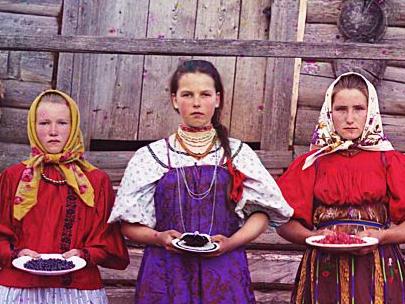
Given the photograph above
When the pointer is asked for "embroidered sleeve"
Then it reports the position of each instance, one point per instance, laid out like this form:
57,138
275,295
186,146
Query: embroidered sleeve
134,202
260,192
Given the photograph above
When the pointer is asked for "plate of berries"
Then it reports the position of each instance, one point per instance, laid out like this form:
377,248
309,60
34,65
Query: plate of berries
195,242
51,264
341,241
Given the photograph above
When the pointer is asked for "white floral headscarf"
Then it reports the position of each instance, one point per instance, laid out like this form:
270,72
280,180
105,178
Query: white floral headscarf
326,138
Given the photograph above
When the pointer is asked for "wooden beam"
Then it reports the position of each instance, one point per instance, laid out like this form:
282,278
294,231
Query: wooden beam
204,47
111,161
327,11
279,77
32,7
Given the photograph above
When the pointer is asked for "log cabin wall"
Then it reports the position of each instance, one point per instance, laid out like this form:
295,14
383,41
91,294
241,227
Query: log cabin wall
125,97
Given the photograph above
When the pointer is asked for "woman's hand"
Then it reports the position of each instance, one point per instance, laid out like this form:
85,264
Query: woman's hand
375,233
29,252
164,239
225,245
73,252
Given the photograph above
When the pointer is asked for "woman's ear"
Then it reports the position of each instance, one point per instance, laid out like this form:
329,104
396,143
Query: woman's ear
217,100
174,102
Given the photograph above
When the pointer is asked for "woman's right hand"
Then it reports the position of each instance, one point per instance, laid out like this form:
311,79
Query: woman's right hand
28,252
164,239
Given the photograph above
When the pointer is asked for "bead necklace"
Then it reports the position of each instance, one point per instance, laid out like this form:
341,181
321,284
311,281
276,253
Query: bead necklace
195,195
51,180
201,137
197,156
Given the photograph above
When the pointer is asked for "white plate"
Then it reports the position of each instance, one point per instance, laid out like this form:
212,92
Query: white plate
77,261
369,241
209,247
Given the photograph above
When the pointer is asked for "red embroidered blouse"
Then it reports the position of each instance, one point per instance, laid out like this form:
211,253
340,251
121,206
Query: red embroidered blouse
339,179
60,221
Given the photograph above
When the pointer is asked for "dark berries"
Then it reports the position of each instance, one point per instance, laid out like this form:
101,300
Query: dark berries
51,264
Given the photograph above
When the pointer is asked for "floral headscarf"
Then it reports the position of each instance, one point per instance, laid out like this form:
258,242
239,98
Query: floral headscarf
70,161
326,138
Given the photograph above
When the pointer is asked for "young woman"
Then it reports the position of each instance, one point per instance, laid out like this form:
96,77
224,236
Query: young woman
352,182
56,202
197,179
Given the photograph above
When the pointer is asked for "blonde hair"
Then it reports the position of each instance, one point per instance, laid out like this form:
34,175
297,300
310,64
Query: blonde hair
54,98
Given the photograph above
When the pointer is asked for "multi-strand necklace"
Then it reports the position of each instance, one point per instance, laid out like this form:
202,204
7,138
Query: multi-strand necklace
201,142
197,195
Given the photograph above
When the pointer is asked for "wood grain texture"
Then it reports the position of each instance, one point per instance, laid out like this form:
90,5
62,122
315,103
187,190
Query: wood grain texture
279,90
118,78
210,47
21,24
3,64
327,11
167,19
13,126
32,7
220,20
37,66
248,99
20,94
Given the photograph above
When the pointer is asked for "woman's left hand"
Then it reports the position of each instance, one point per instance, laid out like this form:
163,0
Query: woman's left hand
225,245
73,252
378,234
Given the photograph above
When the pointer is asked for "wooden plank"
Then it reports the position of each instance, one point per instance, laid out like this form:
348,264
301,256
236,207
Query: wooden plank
13,126
220,20
394,128
324,69
302,13
390,94
3,63
200,47
109,102
20,24
167,19
70,16
13,65
278,93
247,106
20,94
122,295
37,66
267,269
327,11
32,7
118,78
329,33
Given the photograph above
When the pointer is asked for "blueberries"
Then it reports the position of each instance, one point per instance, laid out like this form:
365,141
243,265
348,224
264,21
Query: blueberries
195,240
49,264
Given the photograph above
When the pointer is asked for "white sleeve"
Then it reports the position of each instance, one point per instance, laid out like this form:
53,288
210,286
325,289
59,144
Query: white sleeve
135,197
260,191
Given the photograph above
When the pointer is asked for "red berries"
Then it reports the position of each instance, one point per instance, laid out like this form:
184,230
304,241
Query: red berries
341,238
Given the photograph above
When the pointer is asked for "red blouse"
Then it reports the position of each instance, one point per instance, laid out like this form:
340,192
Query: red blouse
339,179
60,221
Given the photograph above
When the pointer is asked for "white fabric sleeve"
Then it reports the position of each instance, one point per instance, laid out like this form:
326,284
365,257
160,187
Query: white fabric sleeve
260,191
135,197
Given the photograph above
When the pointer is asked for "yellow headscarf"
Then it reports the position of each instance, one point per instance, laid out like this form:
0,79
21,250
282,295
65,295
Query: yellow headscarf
70,161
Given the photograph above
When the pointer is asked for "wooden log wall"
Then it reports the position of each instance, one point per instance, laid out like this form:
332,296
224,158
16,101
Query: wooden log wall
126,97
316,75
